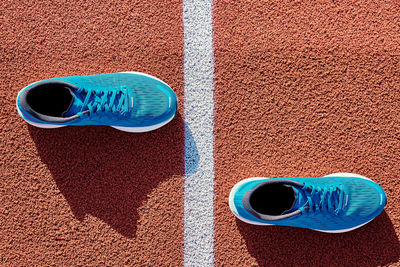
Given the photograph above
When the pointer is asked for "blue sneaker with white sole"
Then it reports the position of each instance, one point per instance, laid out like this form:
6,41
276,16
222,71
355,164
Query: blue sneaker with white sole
336,203
127,101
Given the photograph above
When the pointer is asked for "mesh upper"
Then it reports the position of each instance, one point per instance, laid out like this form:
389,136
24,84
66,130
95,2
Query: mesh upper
149,100
364,203
153,101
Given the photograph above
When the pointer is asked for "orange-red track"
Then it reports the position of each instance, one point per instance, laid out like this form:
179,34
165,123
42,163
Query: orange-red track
90,195
307,88
302,88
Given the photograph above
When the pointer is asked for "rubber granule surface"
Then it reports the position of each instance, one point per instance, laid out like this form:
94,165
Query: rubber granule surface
307,88
302,88
89,195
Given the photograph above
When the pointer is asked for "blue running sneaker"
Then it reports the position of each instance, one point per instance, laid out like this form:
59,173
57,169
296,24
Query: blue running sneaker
336,203
127,101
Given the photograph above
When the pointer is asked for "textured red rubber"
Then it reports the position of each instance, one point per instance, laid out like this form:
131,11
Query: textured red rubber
307,88
90,195
302,88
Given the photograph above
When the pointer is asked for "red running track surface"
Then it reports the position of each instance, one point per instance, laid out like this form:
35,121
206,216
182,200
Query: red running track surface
307,88
89,195
302,88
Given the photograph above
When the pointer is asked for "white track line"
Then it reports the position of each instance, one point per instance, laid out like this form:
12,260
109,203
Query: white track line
199,139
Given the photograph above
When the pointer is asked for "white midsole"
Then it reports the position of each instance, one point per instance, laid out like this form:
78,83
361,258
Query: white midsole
142,129
238,185
121,128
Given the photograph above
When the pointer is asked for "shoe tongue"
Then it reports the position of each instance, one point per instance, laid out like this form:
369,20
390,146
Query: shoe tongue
299,200
76,104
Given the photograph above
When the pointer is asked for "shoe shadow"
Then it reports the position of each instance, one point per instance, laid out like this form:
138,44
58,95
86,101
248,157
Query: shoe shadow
191,153
375,244
108,173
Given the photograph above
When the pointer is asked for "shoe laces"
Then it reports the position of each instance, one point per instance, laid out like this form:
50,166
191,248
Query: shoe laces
326,199
106,101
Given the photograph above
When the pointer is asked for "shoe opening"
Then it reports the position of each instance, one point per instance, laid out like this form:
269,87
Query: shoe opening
50,99
272,199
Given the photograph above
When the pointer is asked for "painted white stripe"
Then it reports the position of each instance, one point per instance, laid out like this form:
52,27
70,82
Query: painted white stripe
199,140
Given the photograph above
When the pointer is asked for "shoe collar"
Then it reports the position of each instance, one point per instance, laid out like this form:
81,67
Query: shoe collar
248,207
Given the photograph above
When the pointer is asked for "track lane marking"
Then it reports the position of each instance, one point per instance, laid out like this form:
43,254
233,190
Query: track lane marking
199,139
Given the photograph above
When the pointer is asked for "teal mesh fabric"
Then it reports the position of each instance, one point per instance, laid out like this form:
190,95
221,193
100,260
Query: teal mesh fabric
152,100
365,199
